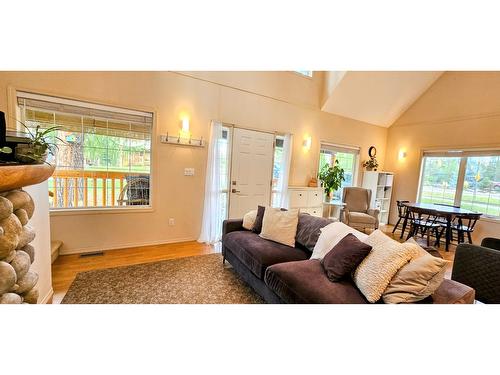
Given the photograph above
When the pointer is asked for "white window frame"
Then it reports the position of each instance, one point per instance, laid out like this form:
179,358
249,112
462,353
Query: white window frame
229,129
345,149
463,155
274,191
14,93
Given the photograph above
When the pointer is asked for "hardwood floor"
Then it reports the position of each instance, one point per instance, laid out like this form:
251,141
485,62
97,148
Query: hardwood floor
66,267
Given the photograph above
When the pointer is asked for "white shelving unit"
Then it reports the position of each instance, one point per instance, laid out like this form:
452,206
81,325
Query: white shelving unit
380,183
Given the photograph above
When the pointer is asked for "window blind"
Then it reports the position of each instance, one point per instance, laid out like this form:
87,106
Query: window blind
333,148
461,153
75,115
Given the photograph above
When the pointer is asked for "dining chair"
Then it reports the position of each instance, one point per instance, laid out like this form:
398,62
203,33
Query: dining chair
463,224
442,221
401,215
427,224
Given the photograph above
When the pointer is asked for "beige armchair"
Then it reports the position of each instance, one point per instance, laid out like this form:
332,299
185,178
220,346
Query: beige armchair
357,211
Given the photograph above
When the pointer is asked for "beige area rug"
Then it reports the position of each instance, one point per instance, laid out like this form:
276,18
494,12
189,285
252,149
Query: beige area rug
198,279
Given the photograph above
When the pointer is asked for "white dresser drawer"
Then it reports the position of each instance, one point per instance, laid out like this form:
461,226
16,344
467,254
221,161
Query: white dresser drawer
314,198
298,198
315,211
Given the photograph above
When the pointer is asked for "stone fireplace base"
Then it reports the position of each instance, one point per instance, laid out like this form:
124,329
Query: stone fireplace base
17,280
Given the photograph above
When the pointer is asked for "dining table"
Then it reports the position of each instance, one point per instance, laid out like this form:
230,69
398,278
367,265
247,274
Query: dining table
445,211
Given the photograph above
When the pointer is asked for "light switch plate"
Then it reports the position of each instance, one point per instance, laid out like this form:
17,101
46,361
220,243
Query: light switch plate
188,171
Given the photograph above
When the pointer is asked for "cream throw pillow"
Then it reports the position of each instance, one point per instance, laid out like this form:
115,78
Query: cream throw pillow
418,279
249,219
280,226
376,271
331,235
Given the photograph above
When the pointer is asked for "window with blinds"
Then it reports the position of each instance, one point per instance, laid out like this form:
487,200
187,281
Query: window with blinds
469,179
348,160
104,158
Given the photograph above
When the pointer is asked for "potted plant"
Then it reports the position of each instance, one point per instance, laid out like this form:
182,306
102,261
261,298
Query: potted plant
331,178
39,146
371,164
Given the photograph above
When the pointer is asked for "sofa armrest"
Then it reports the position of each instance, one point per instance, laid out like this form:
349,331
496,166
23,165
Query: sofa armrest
345,215
453,292
232,225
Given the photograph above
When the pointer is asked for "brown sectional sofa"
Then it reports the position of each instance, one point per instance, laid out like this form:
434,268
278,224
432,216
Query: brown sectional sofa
282,274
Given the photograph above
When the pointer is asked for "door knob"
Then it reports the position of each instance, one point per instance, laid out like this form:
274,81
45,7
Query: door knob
234,191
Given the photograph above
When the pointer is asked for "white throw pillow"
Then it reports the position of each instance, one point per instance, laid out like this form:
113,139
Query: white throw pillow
249,219
280,226
331,235
376,271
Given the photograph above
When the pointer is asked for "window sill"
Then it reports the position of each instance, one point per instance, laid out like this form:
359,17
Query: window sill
490,220
99,211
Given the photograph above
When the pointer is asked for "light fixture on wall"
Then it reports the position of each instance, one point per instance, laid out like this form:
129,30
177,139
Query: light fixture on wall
184,136
402,154
185,124
306,144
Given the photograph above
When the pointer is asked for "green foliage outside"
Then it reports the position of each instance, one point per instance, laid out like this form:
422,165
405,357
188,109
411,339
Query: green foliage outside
481,189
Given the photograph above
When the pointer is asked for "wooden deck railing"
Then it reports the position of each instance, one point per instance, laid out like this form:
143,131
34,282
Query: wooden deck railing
77,188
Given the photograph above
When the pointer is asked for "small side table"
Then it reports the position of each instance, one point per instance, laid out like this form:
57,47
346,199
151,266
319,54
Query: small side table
336,206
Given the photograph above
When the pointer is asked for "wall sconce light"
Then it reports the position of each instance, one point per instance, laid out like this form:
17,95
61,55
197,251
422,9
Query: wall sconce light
402,154
183,138
306,144
185,124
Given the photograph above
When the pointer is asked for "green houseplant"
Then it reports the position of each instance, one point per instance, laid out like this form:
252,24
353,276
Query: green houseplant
39,146
331,178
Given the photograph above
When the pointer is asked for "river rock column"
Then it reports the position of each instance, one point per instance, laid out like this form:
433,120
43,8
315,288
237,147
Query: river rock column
17,280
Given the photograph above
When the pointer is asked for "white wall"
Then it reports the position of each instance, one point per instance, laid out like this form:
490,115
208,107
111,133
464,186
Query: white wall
41,222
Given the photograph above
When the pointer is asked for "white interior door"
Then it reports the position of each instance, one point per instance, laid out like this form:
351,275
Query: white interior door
251,171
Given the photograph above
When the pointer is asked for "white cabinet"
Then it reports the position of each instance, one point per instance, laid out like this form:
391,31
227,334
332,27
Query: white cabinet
306,199
380,183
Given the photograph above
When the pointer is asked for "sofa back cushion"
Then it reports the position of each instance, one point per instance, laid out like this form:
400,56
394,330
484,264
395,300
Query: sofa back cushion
309,229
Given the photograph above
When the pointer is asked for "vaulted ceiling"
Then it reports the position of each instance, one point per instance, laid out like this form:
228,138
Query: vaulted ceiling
375,97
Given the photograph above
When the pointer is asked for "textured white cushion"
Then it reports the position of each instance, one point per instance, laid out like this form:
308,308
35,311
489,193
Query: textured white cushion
249,219
280,226
331,235
375,272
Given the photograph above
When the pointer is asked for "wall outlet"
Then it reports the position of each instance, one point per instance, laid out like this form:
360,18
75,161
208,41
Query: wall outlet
171,221
188,171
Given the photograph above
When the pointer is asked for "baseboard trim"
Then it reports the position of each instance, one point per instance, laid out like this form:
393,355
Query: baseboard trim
48,297
90,249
